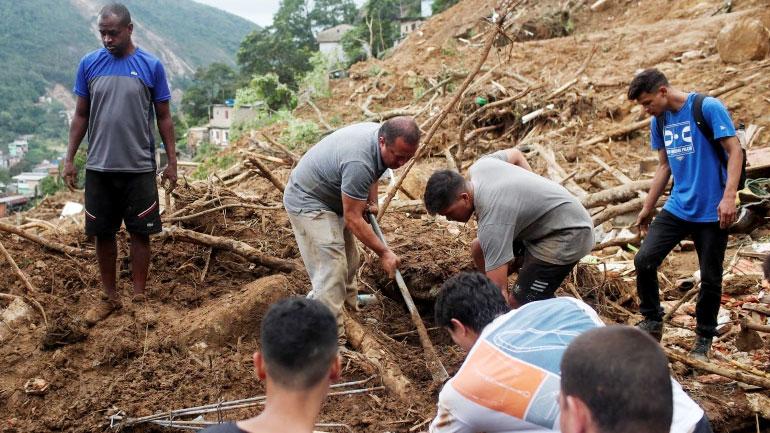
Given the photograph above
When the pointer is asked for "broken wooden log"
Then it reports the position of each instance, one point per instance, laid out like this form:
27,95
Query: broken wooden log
615,195
623,208
739,376
556,172
380,357
52,245
237,247
410,206
266,173
617,242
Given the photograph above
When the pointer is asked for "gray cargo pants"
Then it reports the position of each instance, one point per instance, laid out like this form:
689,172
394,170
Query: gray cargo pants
329,252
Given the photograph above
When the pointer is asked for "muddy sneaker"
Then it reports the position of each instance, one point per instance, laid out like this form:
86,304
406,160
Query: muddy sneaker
700,350
652,327
101,310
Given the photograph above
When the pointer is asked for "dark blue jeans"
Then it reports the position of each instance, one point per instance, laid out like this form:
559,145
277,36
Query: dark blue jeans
665,233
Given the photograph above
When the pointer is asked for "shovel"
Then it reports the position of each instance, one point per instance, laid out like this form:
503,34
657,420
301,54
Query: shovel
437,370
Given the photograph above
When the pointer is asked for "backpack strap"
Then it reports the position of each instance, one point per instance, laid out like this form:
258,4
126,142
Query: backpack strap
705,128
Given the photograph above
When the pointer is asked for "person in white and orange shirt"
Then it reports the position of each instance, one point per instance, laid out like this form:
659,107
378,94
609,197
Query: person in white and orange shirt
511,377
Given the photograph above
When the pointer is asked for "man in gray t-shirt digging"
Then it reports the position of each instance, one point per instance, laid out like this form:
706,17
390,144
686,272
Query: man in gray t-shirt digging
520,216
327,195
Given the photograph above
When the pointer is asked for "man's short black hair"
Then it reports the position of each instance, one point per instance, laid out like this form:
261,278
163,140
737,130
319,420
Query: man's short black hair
471,298
442,189
119,10
647,81
622,375
298,342
401,126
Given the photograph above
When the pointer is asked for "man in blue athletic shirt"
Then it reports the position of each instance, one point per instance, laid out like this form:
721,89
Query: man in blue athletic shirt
702,202
120,90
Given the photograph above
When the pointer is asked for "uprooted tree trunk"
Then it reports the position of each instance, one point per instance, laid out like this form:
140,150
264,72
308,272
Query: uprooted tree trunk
384,362
234,315
240,248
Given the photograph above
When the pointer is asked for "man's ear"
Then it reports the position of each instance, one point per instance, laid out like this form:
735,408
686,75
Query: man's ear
259,366
458,327
335,371
575,417
663,91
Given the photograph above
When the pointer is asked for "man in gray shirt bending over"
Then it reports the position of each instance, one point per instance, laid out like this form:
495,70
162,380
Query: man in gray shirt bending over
327,195
520,216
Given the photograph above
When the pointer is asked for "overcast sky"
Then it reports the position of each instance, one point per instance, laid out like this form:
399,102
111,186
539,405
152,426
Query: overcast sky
258,11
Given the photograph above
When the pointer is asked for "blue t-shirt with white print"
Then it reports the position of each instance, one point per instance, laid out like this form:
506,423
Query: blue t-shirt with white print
699,175
121,92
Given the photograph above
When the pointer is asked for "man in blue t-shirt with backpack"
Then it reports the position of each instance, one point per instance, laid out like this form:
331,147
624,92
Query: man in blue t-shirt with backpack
696,143
121,91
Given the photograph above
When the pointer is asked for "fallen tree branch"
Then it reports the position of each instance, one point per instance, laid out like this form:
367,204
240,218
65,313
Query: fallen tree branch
218,208
27,284
574,80
237,247
384,362
449,107
556,172
369,99
52,245
750,379
617,242
621,209
687,296
293,156
616,194
319,115
266,173
467,121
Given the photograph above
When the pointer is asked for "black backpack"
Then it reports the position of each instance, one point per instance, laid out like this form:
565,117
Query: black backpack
705,129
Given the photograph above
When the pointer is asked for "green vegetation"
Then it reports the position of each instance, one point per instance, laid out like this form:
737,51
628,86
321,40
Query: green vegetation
268,90
211,161
439,6
197,33
300,134
211,84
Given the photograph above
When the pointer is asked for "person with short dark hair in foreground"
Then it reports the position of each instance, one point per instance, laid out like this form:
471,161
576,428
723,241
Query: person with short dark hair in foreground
298,361
510,380
616,379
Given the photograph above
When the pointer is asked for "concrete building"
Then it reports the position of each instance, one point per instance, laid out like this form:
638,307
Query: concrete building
28,184
330,42
222,118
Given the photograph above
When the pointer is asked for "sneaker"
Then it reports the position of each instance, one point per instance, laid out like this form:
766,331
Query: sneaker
101,310
700,350
652,327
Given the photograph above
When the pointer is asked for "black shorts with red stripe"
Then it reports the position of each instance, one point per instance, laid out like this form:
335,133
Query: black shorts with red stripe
112,198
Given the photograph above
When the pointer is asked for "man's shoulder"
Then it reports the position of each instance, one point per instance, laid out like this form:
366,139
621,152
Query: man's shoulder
147,57
93,56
